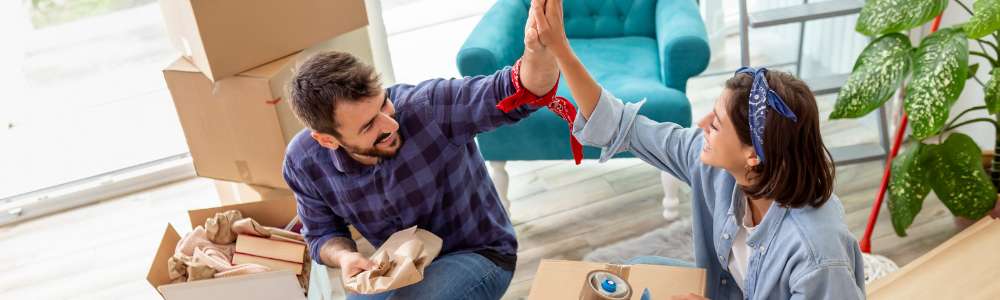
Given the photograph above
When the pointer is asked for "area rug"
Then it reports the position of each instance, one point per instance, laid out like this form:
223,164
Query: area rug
673,240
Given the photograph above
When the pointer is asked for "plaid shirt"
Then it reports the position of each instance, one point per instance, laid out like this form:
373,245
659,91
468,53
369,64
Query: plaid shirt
437,181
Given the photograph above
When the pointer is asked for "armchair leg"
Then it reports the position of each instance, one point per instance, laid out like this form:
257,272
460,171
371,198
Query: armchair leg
671,195
501,180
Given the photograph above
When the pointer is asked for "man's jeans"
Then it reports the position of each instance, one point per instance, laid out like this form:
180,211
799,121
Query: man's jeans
463,275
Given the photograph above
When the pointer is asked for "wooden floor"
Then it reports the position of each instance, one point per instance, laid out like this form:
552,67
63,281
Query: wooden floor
561,211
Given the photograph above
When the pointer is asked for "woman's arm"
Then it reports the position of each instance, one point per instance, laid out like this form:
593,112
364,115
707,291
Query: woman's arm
828,282
552,34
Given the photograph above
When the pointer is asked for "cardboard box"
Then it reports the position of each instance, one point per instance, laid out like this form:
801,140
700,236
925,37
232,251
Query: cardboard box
225,37
237,128
236,193
966,266
269,285
560,279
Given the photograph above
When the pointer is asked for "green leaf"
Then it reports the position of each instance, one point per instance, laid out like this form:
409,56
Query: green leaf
985,18
956,174
993,92
939,74
973,69
877,73
885,16
908,187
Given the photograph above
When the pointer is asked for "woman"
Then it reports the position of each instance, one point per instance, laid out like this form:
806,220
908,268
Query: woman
766,224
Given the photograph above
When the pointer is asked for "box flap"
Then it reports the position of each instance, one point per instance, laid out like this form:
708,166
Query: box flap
666,281
181,65
270,212
272,68
560,279
240,34
157,274
963,267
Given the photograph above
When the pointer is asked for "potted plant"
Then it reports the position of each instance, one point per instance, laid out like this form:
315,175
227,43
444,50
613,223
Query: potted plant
932,75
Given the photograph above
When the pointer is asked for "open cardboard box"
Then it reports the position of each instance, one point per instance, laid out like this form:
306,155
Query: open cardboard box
236,192
226,37
269,285
966,266
237,128
561,279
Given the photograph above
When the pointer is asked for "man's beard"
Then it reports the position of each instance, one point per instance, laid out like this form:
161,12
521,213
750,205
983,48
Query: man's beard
373,150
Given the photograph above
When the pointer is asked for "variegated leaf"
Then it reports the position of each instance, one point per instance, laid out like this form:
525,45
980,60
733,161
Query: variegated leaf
885,16
908,187
957,177
993,92
939,74
985,18
877,73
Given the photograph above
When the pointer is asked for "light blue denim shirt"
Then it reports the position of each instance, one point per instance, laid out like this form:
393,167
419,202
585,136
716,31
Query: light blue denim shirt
797,253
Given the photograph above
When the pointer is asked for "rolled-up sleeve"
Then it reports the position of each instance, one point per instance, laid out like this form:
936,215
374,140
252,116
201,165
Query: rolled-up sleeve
615,126
828,282
319,222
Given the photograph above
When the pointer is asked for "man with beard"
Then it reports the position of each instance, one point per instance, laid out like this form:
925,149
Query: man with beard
384,160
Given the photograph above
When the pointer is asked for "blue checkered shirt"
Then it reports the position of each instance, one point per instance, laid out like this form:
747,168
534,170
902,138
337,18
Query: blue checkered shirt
437,181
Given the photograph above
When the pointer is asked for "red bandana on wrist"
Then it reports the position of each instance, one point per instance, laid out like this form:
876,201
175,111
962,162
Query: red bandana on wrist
559,105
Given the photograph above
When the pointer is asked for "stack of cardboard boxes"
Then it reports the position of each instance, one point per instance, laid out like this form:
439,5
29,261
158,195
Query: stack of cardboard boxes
229,89
230,84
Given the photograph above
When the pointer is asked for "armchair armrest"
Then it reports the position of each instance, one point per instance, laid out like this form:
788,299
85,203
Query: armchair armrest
682,43
497,41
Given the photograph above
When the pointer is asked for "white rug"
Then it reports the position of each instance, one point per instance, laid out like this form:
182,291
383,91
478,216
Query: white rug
673,241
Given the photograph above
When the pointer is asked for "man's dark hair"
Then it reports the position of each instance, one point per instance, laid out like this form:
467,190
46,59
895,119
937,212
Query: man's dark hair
799,170
326,79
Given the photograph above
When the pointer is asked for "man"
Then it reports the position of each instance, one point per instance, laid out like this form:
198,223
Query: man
384,160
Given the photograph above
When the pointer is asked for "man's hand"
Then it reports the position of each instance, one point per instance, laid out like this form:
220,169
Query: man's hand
352,263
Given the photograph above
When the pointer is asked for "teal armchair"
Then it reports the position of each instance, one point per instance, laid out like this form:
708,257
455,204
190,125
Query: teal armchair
641,49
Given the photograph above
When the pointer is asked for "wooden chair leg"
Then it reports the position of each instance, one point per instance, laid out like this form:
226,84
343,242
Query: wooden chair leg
671,195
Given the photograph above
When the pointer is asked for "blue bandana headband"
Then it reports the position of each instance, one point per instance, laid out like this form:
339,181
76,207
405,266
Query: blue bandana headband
761,97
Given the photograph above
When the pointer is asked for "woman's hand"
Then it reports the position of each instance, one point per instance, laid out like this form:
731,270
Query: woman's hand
549,25
531,42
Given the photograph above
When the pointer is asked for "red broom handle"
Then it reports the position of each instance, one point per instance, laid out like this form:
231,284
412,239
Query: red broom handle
866,240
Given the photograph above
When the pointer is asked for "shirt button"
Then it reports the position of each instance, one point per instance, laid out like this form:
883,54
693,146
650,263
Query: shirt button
724,281
725,236
720,257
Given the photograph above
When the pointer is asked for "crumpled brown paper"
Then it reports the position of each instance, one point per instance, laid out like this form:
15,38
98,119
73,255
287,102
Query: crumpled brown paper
217,228
206,252
398,263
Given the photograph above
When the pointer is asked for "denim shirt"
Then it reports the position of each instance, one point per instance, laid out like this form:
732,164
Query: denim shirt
797,253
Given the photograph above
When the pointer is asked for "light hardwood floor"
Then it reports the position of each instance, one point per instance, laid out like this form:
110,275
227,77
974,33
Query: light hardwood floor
561,211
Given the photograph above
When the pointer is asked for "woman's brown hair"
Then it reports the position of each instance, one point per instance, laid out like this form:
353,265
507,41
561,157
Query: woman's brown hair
799,170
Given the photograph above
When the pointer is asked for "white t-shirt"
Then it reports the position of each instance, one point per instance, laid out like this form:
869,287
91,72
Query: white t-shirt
739,257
